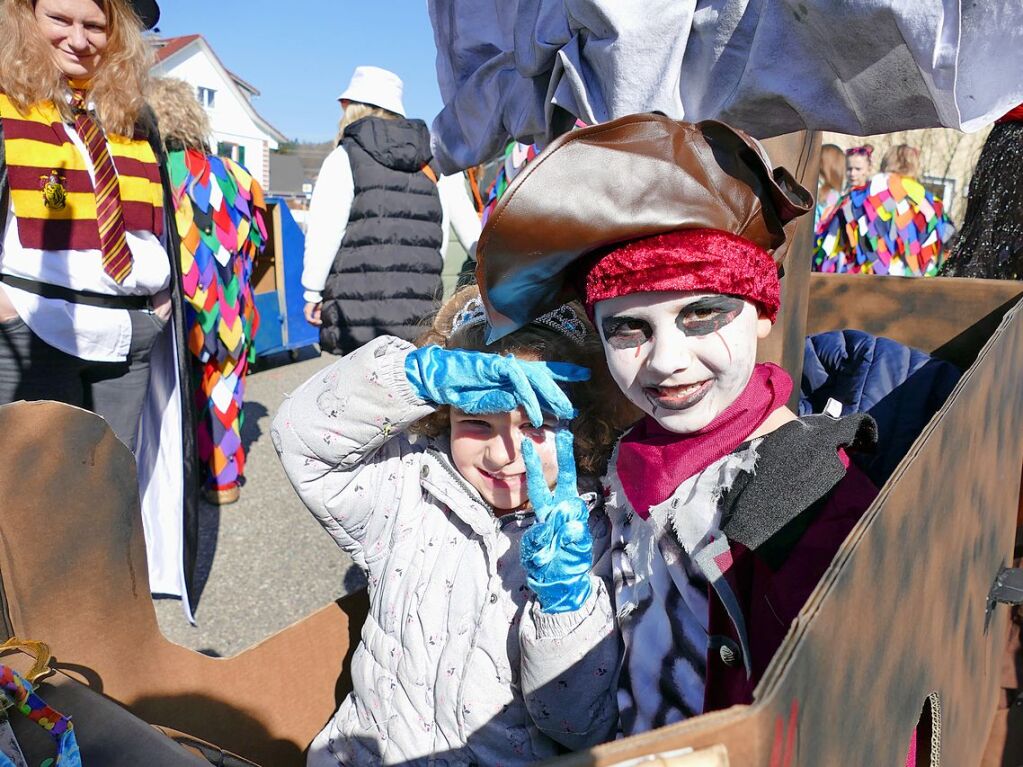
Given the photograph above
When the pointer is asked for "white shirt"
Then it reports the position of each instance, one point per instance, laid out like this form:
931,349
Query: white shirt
88,332
331,204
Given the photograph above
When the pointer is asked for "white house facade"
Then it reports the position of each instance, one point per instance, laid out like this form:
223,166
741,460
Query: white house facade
239,131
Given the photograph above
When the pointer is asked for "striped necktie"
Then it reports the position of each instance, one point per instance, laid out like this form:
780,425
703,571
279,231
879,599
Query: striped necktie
117,259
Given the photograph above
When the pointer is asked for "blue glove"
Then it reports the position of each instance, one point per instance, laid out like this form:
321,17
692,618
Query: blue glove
557,551
477,382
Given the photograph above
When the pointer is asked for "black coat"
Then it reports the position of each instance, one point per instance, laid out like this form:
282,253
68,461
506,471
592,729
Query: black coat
385,278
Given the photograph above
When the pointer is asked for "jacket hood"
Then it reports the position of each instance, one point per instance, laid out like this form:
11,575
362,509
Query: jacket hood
402,145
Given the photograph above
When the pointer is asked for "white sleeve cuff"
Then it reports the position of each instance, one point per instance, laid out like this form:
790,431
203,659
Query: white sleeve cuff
312,296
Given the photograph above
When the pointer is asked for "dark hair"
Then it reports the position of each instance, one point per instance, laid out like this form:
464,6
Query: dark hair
603,411
990,243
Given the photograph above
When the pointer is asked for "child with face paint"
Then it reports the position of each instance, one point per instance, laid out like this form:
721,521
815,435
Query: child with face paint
726,508
414,460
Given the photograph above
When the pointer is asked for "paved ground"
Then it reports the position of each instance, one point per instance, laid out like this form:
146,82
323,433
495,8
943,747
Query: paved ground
265,561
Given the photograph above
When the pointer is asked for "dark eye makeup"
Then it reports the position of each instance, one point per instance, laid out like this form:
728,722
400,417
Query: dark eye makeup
708,315
702,317
623,332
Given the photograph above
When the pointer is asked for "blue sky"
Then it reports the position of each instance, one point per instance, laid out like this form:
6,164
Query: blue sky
300,53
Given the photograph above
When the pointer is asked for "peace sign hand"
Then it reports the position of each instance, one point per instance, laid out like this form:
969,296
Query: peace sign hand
557,551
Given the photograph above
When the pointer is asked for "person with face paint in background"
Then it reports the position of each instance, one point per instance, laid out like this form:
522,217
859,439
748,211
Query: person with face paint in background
726,508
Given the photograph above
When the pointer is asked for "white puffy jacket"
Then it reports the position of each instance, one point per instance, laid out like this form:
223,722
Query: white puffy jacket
457,665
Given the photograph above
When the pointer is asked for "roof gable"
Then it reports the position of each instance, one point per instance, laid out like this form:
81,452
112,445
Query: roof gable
167,48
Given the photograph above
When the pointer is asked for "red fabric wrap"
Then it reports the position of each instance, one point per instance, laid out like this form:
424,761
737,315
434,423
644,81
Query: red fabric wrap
653,462
705,260
1012,116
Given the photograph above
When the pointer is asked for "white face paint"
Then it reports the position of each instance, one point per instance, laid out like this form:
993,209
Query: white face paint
681,357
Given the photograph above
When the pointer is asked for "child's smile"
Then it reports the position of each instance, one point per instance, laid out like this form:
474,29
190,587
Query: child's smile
486,450
681,357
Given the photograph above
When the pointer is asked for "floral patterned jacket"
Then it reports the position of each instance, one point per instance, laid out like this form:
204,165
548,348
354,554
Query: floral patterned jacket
457,665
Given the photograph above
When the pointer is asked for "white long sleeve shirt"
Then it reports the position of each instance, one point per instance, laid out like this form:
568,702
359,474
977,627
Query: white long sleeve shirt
94,333
331,204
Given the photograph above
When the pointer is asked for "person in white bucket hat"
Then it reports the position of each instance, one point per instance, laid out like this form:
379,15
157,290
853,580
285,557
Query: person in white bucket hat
376,87
378,221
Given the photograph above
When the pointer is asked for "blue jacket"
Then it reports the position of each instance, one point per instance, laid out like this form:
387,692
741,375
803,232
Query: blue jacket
902,388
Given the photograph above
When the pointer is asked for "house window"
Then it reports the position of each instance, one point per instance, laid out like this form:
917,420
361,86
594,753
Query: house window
235,151
207,96
941,187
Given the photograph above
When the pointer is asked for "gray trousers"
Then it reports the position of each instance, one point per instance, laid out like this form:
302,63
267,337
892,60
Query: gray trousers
31,369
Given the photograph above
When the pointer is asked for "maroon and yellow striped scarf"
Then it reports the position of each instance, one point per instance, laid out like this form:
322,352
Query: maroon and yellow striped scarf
51,192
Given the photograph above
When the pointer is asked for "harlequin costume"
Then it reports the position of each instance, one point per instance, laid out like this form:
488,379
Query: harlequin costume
219,211
513,160
718,538
893,226
90,312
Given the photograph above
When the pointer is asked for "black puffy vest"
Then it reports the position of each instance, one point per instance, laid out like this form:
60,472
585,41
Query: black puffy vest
385,278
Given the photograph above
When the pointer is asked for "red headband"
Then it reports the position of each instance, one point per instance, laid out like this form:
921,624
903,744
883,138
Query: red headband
706,260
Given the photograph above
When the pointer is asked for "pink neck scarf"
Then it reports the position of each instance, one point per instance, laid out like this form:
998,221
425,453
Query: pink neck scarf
653,462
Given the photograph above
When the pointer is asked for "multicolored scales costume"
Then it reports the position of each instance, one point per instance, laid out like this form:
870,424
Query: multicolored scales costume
220,213
891,226
515,157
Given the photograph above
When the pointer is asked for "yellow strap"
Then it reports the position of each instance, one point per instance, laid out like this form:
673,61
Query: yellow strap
39,650
428,172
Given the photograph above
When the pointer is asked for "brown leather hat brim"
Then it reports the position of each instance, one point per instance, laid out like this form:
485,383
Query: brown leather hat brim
634,177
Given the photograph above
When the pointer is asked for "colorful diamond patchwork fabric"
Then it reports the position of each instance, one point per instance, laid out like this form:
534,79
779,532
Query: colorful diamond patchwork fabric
891,226
220,212
516,156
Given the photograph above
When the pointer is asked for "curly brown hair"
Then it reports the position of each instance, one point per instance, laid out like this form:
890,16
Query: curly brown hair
29,74
604,413
182,120
902,159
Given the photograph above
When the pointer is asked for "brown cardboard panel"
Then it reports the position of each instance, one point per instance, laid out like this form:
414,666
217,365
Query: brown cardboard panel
73,572
266,272
901,613
905,603
947,316
799,152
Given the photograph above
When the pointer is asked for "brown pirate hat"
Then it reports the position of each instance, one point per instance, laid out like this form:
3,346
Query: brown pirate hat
632,178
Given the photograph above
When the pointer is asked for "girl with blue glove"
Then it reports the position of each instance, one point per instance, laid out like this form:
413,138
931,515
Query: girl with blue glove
490,610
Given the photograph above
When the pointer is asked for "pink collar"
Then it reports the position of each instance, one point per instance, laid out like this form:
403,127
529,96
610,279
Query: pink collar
653,462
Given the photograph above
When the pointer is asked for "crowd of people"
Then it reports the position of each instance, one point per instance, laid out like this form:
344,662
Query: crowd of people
885,223
578,519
